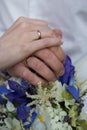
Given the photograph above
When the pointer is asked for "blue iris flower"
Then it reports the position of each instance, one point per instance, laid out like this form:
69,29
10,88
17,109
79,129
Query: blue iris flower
32,118
3,93
68,78
16,87
25,84
22,111
23,114
75,92
6,74
17,94
3,89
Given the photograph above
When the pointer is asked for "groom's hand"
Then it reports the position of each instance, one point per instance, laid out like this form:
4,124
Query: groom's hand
38,67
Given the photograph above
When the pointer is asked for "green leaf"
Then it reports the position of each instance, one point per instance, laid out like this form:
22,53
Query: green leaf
83,125
73,113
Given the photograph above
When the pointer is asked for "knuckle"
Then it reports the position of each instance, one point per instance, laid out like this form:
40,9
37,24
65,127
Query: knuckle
23,25
41,68
38,65
24,74
49,75
32,79
47,54
35,64
32,60
21,19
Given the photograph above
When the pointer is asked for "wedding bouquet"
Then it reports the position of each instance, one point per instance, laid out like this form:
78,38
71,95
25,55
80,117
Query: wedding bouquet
61,105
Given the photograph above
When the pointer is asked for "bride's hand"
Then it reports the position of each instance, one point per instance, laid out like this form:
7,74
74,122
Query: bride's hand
21,40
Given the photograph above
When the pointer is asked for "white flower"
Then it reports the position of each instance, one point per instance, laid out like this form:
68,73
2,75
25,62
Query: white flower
37,125
42,122
13,124
10,107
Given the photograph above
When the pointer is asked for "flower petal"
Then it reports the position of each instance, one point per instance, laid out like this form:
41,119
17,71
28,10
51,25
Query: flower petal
74,91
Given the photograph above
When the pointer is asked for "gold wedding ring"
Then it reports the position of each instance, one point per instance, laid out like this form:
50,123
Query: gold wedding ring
39,34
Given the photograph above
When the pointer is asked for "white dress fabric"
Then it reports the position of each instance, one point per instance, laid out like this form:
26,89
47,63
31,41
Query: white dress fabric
68,15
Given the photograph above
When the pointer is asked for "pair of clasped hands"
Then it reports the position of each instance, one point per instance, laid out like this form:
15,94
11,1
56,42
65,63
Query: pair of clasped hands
24,54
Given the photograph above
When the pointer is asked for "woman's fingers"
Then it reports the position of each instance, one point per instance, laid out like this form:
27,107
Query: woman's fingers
29,31
23,20
43,43
58,51
57,32
31,20
33,35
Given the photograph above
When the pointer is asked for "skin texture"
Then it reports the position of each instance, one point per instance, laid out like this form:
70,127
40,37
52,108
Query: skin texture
26,52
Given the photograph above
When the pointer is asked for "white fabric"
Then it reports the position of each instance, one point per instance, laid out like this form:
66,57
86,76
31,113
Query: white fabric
81,77
68,15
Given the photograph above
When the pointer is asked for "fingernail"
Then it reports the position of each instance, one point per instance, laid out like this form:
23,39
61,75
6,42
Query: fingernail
60,40
61,72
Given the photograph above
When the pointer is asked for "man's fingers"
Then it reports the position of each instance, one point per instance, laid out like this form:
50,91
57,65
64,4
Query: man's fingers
21,70
40,68
59,53
31,77
51,60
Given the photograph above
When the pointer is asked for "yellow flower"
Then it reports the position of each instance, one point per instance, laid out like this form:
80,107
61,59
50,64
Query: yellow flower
41,118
